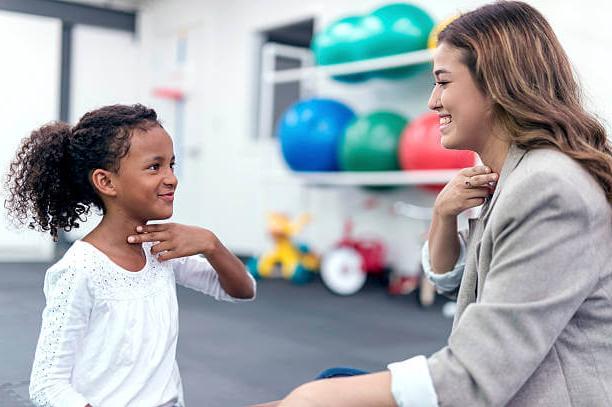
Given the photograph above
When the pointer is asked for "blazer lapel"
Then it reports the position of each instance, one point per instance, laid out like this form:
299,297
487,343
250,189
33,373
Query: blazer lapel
514,157
471,274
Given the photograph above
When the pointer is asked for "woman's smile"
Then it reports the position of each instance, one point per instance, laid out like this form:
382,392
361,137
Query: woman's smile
445,121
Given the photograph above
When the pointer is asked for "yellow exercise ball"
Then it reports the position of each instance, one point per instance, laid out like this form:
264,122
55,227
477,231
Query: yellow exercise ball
432,41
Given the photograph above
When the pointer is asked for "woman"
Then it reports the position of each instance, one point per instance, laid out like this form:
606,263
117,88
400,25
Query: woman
534,319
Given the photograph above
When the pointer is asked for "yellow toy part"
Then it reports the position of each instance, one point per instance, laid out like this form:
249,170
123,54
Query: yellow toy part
432,41
291,258
311,261
280,226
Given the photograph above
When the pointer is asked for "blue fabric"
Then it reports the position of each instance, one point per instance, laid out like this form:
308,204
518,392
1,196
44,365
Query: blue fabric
340,372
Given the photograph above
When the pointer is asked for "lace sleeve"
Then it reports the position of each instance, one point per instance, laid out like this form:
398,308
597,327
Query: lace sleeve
64,322
197,273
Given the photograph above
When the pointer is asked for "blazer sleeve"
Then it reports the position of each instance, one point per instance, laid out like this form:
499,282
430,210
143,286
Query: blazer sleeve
543,267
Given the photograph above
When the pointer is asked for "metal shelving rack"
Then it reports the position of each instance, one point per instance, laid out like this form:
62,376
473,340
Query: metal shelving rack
306,76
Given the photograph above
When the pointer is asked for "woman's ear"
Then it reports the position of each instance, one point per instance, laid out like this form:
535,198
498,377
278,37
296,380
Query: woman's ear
102,181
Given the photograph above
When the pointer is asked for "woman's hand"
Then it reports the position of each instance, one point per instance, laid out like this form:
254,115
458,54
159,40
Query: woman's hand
466,190
176,240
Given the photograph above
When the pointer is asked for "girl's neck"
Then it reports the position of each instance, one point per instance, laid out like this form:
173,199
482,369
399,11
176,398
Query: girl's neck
112,232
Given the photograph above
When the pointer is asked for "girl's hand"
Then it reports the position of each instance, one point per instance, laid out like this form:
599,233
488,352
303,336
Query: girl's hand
176,240
467,190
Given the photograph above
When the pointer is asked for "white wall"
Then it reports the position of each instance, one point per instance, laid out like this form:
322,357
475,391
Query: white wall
232,179
29,85
229,179
106,70
586,34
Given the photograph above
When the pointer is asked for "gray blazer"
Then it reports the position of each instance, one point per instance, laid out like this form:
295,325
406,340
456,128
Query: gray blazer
534,319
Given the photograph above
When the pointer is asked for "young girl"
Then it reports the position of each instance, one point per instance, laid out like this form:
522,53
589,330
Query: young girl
110,326
534,295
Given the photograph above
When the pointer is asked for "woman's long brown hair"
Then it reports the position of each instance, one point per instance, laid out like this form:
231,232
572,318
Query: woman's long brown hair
515,57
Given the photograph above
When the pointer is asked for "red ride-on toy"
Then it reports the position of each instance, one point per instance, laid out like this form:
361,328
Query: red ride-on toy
345,268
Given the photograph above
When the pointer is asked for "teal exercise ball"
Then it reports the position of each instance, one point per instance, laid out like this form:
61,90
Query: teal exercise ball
389,30
338,44
395,29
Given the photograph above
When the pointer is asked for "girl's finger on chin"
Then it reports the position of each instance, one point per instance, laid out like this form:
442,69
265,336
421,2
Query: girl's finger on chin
161,246
145,237
133,239
154,227
166,255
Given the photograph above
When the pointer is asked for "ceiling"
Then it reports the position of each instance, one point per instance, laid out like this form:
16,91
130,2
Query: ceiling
114,4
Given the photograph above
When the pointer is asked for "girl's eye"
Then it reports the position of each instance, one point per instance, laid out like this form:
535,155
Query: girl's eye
154,167
441,83
172,165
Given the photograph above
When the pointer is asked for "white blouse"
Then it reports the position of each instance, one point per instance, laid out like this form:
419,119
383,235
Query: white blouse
108,335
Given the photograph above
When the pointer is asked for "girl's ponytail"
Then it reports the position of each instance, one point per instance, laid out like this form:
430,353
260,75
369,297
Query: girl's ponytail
49,180
39,181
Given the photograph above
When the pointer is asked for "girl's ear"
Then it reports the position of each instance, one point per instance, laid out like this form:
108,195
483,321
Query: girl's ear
102,181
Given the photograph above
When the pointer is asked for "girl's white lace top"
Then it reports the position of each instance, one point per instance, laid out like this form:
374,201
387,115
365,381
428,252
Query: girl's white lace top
108,335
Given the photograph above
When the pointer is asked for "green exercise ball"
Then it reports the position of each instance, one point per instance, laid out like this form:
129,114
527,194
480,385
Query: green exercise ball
338,43
395,29
370,143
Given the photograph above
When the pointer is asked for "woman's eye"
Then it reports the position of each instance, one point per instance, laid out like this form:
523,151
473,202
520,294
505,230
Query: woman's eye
172,165
154,167
441,83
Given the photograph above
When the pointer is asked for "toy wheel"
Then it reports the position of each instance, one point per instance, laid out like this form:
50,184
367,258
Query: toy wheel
342,271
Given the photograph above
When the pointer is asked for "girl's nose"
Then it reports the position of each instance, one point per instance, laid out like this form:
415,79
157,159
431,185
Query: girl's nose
171,179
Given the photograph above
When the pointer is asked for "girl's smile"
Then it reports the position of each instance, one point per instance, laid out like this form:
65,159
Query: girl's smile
146,183
168,197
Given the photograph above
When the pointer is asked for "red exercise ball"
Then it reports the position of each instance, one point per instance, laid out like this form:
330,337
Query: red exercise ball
420,149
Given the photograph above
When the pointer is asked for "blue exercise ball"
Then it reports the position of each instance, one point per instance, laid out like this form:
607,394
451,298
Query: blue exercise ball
310,131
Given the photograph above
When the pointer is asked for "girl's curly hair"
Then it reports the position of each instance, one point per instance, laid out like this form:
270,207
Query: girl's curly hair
48,181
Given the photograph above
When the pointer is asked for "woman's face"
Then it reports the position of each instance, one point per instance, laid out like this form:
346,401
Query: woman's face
465,112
